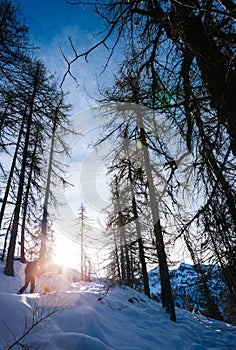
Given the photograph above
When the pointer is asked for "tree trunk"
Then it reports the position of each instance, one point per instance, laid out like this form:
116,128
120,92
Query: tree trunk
167,298
6,238
122,245
139,237
10,176
25,205
9,268
43,248
117,257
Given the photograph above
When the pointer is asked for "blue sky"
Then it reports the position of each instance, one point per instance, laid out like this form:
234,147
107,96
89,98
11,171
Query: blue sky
50,25
46,19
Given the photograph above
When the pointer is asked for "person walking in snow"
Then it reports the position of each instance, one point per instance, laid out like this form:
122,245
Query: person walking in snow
31,271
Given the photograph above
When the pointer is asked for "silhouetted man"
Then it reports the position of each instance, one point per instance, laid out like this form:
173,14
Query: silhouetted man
31,270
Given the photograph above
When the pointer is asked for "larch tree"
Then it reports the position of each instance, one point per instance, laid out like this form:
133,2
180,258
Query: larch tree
43,103
32,91
128,179
129,119
33,115
186,50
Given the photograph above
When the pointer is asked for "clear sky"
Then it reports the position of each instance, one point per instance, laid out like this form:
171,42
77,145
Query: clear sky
51,23
48,20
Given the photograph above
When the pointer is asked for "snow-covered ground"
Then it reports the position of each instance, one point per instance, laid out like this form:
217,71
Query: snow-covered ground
123,319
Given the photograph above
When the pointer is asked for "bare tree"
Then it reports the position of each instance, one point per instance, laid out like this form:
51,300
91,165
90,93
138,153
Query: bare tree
186,56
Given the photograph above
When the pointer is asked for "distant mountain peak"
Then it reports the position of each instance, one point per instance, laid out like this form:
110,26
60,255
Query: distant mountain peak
194,287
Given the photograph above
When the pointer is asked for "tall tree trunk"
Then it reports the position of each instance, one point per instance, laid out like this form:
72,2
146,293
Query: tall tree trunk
117,258
128,266
139,237
10,176
43,248
6,238
122,245
121,230
166,293
25,205
9,268
82,257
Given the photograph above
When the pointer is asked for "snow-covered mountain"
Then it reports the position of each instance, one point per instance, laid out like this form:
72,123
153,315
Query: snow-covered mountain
191,291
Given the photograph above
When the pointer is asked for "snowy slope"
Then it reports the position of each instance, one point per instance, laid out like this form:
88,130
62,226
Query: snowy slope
124,319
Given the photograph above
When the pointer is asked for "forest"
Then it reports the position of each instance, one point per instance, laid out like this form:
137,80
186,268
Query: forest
169,110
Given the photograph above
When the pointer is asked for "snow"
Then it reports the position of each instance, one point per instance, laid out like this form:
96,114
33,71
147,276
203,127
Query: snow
185,282
74,318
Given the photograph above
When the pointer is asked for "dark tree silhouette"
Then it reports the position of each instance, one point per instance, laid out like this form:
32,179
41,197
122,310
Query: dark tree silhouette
185,54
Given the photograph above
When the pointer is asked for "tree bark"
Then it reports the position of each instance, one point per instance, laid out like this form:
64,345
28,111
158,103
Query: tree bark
10,176
166,293
9,268
139,238
25,205
43,248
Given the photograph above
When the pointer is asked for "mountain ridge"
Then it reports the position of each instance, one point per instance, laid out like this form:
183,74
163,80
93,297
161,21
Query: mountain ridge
197,288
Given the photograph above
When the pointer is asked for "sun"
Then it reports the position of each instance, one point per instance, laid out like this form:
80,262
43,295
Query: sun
66,252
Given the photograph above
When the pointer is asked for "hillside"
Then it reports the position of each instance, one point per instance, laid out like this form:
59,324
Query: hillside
124,319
